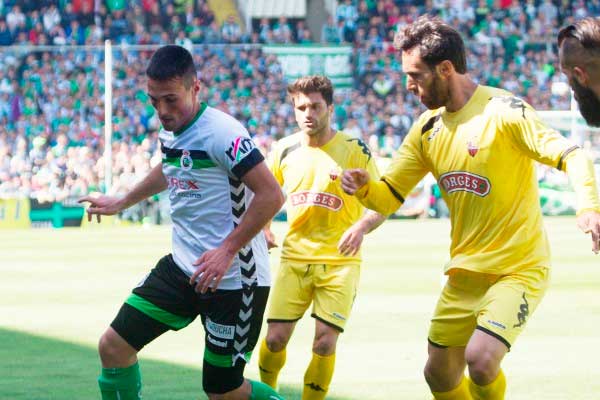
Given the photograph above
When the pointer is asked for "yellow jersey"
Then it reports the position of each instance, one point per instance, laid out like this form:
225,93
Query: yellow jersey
483,159
318,210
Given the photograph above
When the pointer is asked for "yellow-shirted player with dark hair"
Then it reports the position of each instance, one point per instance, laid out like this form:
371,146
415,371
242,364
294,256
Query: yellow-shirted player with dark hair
320,259
481,144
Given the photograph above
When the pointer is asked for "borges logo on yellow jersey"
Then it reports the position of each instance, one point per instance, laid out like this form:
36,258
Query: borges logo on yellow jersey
316,199
465,181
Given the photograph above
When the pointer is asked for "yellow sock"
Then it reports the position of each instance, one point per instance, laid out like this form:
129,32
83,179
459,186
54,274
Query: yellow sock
492,391
318,376
269,364
461,392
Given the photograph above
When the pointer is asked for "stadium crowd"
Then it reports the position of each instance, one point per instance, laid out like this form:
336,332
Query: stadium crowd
52,95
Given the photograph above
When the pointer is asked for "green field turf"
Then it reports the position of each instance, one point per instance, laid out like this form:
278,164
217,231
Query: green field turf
59,289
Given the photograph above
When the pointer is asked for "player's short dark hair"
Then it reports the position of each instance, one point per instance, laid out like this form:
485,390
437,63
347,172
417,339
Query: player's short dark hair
312,84
170,62
580,41
436,41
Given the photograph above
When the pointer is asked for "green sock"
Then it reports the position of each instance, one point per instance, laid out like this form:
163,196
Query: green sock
121,383
262,391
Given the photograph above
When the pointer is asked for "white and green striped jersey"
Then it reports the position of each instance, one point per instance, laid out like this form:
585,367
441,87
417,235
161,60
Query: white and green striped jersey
203,164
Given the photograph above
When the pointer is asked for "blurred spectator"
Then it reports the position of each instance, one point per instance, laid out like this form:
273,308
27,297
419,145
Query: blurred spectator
282,31
330,32
6,38
231,31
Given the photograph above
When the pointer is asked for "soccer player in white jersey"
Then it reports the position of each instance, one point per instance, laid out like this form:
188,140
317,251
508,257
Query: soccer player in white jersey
579,53
481,144
221,194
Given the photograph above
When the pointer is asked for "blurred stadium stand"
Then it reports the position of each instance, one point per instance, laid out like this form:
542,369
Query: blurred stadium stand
52,83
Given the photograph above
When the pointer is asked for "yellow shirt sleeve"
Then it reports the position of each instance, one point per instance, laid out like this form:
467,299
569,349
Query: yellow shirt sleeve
581,173
274,163
549,147
530,134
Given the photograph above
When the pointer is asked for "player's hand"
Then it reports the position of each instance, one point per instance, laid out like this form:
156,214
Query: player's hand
351,240
270,237
101,205
354,179
589,222
212,265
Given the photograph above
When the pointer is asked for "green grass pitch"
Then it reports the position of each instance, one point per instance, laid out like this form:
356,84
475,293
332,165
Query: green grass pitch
59,289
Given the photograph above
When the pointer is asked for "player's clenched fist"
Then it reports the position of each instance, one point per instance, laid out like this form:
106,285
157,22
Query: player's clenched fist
354,179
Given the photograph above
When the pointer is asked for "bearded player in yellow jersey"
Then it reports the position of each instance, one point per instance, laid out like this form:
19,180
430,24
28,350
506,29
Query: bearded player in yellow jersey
481,145
320,258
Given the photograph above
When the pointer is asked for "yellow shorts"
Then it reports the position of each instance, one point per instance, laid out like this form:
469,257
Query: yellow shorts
499,305
331,288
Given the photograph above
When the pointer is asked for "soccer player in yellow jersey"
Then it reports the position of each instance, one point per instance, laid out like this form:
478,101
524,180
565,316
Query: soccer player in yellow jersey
481,145
579,53
320,259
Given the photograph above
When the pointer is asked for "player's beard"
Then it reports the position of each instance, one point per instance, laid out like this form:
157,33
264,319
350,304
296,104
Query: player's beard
589,103
439,93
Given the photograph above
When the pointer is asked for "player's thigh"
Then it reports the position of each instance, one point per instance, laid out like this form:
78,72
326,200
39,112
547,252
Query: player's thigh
292,292
455,315
232,320
508,304
162,301
336,287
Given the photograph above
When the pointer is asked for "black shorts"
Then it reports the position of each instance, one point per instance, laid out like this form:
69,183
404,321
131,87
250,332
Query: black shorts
165,300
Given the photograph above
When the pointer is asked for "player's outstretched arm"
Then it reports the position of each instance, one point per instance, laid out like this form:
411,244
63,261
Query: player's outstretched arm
267,201
153,183
352,239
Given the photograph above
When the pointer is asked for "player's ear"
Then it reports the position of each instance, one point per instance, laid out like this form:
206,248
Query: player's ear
581,76
445,68
196,85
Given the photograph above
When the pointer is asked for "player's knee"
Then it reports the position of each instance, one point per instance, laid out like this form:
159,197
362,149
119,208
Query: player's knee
114,352
433,375
430,374
483,367
324,345
107,350
442,376
276,341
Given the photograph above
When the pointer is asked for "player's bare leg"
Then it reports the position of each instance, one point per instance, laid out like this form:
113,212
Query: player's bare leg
445,367
483,355
320,370
114,351
444,373
272,351
278,335
120,378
